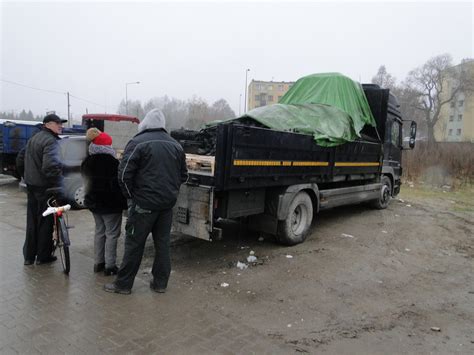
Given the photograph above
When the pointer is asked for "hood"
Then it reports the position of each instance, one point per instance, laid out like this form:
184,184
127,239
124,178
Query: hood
153,120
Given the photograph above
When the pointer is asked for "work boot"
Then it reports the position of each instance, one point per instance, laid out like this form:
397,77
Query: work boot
157,289
113,288
29,262
48,260
99,267
111,271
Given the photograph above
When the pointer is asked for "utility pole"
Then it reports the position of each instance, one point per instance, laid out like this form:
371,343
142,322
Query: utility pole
245,103
68,111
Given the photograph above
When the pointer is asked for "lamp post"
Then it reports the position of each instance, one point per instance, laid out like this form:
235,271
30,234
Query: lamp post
126,94
245,103
240,104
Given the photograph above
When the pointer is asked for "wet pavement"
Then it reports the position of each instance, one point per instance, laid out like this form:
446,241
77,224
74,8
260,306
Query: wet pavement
44,311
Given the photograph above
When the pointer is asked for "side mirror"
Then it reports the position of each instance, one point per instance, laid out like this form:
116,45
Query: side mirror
409,139
411,143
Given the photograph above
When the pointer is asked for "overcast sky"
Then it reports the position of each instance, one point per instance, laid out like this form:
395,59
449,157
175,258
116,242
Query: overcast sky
184,49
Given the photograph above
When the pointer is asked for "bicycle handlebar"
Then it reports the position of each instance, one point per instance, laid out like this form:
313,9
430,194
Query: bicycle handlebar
51,210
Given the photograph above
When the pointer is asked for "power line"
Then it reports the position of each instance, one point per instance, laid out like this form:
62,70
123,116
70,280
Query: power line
52,91
31,87
91,102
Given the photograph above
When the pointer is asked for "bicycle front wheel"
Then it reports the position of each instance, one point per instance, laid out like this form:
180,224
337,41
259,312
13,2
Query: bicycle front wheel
64,246
65,261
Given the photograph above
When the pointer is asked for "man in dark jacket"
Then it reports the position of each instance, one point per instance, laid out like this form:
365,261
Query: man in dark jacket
42,170
104,199
150,173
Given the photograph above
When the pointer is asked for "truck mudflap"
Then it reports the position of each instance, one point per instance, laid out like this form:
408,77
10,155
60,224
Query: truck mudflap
193,212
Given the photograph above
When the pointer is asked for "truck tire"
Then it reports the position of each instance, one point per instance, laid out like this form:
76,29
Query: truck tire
385,194
295,227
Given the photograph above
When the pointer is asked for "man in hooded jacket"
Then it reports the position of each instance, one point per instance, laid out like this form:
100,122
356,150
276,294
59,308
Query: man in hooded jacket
150,173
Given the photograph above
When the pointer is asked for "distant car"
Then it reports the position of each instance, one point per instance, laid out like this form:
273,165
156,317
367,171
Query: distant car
73,149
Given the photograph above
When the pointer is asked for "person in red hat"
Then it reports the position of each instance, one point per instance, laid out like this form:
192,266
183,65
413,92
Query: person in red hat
104,199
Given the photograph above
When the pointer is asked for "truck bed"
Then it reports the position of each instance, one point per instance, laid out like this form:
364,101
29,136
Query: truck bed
250,157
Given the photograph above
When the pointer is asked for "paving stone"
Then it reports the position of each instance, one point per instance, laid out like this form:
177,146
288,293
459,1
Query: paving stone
44,311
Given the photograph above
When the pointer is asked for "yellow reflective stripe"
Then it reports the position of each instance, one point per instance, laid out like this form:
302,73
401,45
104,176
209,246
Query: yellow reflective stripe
279,163
299,163
356,164
310,163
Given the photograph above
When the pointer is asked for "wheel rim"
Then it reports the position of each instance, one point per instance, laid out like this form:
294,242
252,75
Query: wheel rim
298,219
385,194
79,196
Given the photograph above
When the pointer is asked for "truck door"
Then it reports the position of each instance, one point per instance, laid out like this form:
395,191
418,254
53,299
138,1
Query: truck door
393,144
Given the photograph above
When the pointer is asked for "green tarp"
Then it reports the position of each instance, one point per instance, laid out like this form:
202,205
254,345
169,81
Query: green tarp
330,106
332,89
329,125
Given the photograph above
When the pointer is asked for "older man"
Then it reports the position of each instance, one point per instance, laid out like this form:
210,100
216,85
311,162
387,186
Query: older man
42,170
151,171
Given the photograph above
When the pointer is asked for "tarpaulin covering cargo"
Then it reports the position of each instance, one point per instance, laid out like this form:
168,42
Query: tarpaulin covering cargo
330,106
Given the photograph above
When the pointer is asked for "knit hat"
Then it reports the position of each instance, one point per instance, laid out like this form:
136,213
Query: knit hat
102,139
92,133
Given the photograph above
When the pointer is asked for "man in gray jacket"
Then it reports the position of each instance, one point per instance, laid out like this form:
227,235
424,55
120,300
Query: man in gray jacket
150,173
41,168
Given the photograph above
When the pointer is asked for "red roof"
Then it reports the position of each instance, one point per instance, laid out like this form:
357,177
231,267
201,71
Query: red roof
110,117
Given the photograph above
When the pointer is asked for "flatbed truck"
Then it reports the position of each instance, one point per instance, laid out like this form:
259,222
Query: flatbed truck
279,181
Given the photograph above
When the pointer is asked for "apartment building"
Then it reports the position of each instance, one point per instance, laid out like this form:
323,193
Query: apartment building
456,123
262,93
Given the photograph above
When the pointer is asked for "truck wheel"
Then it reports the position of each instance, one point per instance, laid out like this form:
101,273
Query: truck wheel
385,194
295,228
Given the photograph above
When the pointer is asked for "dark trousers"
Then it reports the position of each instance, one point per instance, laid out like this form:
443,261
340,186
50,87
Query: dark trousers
140,224
39,229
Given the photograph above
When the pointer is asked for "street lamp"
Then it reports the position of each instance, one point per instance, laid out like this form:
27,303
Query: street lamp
245,103
240,104
126,94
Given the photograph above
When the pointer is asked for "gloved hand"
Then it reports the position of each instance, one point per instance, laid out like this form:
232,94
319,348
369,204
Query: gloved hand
58,194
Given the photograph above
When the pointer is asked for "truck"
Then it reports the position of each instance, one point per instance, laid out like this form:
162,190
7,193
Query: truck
277,181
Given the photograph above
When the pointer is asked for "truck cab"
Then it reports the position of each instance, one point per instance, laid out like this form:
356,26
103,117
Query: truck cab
386,111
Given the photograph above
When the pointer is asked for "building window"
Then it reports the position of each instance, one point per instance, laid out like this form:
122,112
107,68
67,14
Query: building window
452,104
279,98
450,133
257,97
459,117
270,87
258,87
461,103
458,132
451,118
280,87
270,97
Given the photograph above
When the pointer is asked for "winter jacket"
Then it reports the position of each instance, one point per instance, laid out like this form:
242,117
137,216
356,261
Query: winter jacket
153,166
40,161
102,191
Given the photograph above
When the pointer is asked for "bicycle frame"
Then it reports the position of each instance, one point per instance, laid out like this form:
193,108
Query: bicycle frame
60,231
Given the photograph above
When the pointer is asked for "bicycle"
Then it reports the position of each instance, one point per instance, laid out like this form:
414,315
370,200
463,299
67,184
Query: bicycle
60,231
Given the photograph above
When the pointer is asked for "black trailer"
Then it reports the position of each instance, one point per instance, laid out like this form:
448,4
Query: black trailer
279,180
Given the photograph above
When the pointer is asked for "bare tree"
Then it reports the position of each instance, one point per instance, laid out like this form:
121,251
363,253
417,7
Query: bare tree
220,110
135,108
383,78
437,83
